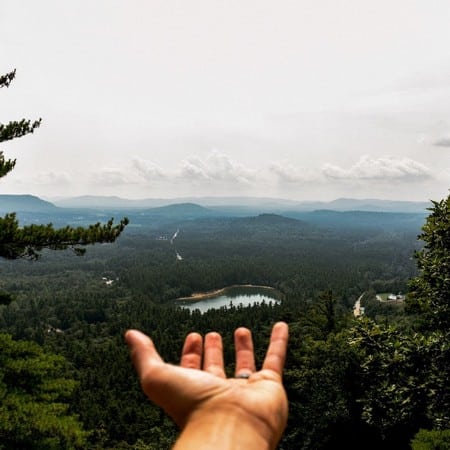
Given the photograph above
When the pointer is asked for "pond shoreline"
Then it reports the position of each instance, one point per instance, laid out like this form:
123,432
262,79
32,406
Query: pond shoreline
198,296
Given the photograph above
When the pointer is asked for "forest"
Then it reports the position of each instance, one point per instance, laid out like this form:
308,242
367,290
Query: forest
377,381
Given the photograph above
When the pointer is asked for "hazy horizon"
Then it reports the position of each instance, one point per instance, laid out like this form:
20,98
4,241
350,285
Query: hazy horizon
292,100
222,197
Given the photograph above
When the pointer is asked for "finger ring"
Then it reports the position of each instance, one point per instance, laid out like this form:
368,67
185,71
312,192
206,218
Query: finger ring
243,375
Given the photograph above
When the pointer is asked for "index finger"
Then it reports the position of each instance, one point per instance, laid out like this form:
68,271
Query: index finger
276,352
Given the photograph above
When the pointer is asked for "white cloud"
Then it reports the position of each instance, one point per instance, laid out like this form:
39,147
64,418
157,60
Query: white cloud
193,168
217,173
367,168
149,171
216,167
288,173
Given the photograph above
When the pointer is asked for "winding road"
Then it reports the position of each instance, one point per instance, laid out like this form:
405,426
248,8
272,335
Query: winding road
357,307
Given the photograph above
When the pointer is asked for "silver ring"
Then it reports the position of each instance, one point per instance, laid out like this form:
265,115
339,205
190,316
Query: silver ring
243,375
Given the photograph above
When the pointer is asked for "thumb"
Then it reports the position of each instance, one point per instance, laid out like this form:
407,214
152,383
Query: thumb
143,352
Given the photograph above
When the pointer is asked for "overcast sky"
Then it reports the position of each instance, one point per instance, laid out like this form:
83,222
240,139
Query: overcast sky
305,99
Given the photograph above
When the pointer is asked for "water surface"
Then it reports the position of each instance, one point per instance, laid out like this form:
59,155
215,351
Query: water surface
236,295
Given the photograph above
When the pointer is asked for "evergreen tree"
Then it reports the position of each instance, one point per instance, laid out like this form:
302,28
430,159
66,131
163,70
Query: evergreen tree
431,440
34,388
28,241
430,298
34,393
405,372
430,290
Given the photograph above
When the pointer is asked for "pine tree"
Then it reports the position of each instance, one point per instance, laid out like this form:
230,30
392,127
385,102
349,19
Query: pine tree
29,241
34,388
430,290
405,372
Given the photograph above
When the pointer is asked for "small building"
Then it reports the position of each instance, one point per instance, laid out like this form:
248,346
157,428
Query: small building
395,297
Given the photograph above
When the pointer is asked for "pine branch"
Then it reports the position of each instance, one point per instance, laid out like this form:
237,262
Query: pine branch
5,80
17,129
28,241
6,165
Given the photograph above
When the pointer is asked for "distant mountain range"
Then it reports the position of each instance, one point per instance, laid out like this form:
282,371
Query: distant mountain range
351,204
28,203
98,202
251,214
210,205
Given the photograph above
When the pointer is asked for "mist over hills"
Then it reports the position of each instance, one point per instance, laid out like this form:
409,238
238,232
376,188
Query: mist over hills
201,206
89,201
351,204
261,204
344,214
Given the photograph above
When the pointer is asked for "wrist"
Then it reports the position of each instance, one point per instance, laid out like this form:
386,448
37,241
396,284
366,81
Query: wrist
225,429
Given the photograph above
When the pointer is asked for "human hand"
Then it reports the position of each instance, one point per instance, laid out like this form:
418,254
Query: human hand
197,394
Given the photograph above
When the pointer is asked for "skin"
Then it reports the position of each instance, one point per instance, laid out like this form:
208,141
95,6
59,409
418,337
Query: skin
211,410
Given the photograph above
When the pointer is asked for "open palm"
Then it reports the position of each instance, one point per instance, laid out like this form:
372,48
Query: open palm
198,387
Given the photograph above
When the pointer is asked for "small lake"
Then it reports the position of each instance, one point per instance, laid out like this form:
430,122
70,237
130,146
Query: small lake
235,295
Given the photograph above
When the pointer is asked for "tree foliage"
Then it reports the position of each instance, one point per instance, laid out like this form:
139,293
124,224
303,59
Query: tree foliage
333,387
13,129
5,80
431,440
35,388
29,241
430,290
405,373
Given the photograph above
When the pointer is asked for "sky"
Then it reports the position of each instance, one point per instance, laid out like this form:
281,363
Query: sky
302,100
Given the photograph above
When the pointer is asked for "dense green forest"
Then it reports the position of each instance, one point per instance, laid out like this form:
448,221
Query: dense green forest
367,382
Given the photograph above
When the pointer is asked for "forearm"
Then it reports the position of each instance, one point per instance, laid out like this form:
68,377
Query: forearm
224,431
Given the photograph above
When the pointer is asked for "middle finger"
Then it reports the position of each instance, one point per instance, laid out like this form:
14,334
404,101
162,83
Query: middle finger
245,358
213,355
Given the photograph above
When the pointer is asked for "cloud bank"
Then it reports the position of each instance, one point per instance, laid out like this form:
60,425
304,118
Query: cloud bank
376,169
217,169
216,173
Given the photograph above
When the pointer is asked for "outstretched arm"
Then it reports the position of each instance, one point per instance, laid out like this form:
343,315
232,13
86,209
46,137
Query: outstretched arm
215,412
